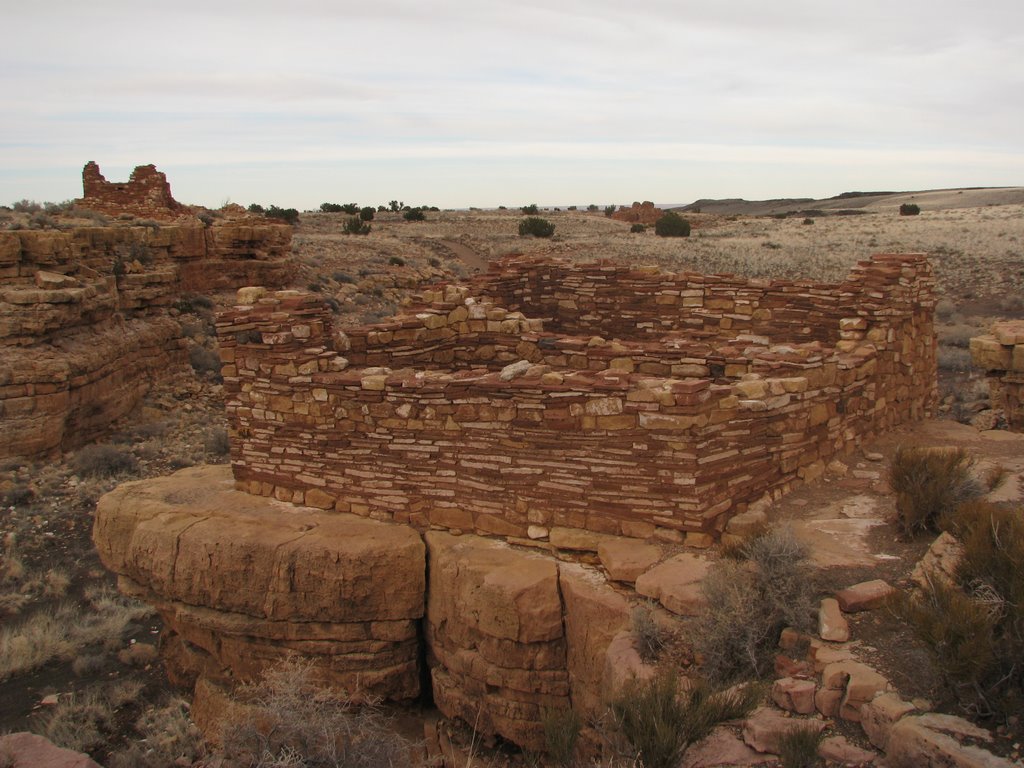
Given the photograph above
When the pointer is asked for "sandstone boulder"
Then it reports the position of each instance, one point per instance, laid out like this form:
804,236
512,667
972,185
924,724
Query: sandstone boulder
676,583
794,695
27,750
495,641
594,615
626,559
846,687
935,741
831,624
242,581
719,749
864,596
762,730
939,562
879,715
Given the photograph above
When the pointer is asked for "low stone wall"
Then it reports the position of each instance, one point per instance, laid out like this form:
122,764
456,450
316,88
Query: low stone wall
1001,355
499,427
84,329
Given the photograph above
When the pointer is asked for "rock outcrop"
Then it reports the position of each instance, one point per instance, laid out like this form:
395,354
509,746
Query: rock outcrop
85,326
1000,353
241,582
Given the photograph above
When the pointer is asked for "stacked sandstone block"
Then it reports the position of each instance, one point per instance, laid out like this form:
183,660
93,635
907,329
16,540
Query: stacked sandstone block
1001,355
543,431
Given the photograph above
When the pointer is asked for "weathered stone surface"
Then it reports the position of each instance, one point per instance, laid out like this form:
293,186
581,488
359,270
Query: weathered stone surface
626,559
929,741
27,750
832,626
794,695
719,749
676,583
242,581
864,596
939,562
856,683
623,664
594,615
494,636
878,716
761,731
840,752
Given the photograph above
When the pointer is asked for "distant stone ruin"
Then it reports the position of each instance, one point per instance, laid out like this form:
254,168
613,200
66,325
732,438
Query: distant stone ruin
147,194
545,395
639,213
84,322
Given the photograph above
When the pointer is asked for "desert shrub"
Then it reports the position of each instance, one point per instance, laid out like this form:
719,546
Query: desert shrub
103,460
217,441
366,213
16,494
204,361
660,721
910,209
958,335
343,277
536,227
807,222
561,732
749,600
434,262
206,217
287,215
164,736
355,226
609,210
330,207
974,628
396,261
414,214
256,208
529,210
944,309
953,359
649,634
288,718
672,225
798,747
80,721
929,485
638,228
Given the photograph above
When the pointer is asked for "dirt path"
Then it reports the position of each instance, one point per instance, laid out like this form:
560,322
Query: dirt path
474,262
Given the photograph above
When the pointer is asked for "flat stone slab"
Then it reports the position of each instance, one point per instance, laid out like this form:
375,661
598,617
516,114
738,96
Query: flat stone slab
626,559
676,583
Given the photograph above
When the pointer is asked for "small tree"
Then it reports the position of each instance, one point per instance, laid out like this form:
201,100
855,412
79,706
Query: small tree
355,226
910,209
350,208
592,208
529,210
638,227
672,225
331,207
366,213
414,214
537,227
289,215
609,210
395,206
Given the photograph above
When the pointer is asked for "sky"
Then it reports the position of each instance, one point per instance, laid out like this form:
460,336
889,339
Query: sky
461,103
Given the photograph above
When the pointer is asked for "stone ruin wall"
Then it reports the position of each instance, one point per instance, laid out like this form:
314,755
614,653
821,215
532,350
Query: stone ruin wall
1000,354
467,414
83,340
146,194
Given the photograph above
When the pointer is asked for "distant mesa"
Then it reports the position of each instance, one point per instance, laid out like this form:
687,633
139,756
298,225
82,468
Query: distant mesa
147,194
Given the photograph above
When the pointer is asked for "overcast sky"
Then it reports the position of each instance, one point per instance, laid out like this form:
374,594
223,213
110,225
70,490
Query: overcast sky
471,102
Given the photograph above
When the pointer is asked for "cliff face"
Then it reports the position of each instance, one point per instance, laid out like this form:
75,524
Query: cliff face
84,326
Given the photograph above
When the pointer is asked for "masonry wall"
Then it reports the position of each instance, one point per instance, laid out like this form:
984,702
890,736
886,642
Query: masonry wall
626,438
84,330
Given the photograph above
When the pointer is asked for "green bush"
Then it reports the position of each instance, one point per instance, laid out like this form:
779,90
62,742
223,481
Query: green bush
366,213
748,601
649,634
529,210
396,261
672,225
355,226
414,214
660,721
929,485
288,215
537,227
638,228
256,208
330,207
910,209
